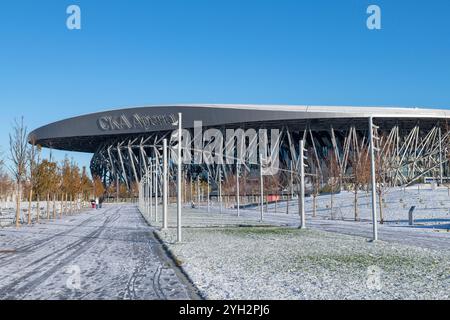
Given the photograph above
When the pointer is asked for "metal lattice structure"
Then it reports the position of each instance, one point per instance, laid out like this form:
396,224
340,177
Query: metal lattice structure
408,157
412,143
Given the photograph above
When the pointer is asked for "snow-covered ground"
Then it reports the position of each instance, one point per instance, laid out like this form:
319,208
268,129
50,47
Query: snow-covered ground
98,254
432,207
239,257
8,211
286,263
431,228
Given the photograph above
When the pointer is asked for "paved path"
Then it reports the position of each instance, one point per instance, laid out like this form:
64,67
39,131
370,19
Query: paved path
105,254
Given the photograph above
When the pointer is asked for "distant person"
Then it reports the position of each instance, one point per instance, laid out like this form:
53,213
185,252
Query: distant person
97,203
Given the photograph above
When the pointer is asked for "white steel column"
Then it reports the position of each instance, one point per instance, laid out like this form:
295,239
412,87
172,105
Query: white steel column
151,189
373,181
441,168
237,189
220,189
207,194
156,186
165,188
148,194
261,196
301,196
180,119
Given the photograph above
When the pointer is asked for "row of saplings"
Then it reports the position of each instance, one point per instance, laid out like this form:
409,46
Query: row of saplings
54,190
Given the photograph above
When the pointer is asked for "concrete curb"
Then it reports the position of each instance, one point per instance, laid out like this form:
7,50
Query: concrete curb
175,260
194,291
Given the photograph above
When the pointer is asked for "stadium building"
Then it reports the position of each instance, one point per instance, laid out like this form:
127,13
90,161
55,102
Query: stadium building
412,142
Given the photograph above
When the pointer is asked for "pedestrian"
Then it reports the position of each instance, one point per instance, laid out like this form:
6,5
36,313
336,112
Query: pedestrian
97,203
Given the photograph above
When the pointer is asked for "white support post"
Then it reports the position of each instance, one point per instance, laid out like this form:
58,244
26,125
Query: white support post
156,187
151,190
441,168
220,189
237,190
301,196
179,177
207,194
165,184
198,190
373,181
261,195
148,195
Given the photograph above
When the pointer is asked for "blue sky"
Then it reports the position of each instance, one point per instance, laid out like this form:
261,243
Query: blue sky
140,52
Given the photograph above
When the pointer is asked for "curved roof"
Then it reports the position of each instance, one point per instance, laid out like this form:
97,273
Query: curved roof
85,133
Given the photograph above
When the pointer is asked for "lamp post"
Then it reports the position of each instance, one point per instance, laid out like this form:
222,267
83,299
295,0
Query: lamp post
180,119
165,188
373,180
237,190
261,177
301,196
156,186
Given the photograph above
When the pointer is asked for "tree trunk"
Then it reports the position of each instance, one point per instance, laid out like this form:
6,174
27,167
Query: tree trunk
18,205
267,204
29,204
380,202
54,206
65,204
331,204
287,205
356,204
48,206
38,209
61,204
314,205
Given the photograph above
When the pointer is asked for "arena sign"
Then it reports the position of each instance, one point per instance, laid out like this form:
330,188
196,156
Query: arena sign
135,121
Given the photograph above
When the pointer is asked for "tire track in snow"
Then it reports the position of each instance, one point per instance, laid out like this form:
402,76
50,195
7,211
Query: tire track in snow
24,250
14,290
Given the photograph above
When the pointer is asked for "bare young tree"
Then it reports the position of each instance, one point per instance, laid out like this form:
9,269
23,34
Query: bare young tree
31,158
18,155
360,176
75,185
46,181
333,178
381,175
66,179
315,182
86,185
6,184
99,188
